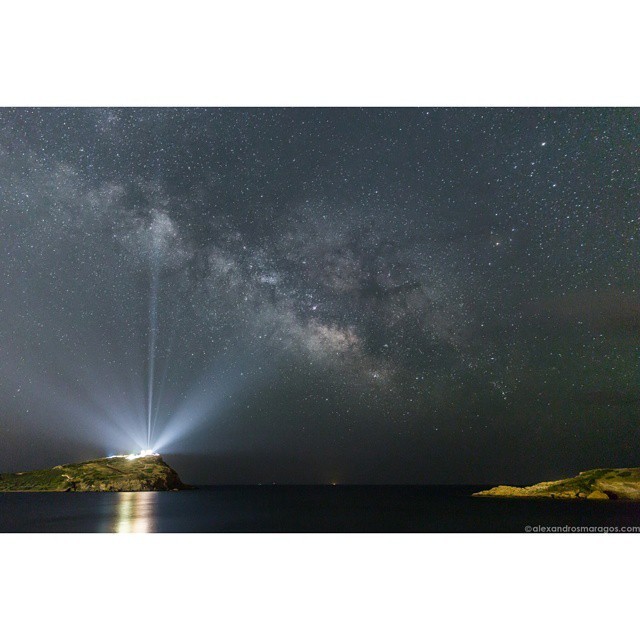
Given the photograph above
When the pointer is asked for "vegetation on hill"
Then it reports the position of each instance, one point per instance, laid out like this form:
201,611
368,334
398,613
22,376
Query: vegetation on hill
600,484
118,473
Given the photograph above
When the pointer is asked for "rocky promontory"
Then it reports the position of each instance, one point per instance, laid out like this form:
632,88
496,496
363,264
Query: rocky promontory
597,484
117,473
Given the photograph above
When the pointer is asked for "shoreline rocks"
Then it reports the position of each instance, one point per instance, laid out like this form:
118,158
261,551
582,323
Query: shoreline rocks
596,484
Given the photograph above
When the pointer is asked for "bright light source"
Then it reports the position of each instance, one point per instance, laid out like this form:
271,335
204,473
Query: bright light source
143,454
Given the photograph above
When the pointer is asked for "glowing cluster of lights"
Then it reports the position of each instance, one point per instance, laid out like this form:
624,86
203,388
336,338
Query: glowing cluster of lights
143,454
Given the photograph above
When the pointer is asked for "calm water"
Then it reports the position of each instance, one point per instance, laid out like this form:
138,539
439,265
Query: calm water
301,509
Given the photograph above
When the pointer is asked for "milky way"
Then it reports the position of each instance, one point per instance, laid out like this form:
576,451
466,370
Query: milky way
395,295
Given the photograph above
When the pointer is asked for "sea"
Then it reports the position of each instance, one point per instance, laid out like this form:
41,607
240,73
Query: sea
309,509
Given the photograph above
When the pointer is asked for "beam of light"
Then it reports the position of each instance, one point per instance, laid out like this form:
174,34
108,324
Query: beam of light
153,334
163,379
94,403
101,406
208,398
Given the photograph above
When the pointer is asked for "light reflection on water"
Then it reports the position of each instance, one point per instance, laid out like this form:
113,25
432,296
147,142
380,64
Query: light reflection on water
136,512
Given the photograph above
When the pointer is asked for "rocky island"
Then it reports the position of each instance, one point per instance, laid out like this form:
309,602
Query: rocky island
596,484
144,472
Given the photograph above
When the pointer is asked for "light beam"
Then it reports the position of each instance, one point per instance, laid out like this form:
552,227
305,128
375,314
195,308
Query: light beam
153,333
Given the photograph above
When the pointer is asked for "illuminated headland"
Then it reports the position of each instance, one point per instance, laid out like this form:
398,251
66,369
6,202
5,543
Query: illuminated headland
145,471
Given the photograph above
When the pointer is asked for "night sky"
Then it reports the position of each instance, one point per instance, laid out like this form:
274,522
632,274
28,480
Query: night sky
322,295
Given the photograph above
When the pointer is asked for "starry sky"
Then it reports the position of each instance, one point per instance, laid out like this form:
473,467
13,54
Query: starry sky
322,295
